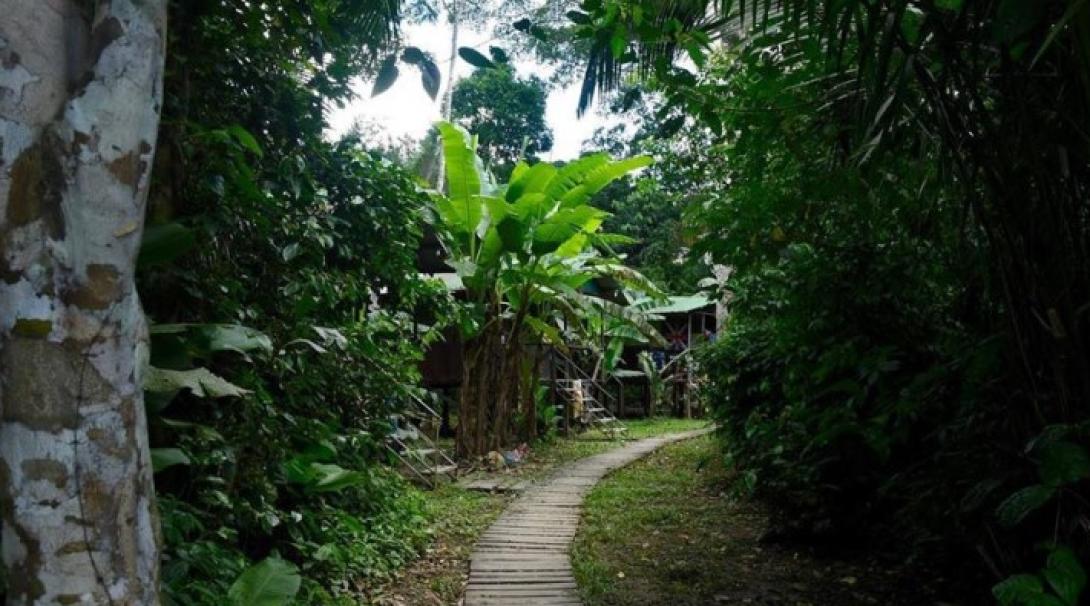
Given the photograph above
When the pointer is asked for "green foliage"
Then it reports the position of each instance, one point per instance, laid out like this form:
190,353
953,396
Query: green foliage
1060,583
896,192
272,582
279,275
507,113
524,250
849,373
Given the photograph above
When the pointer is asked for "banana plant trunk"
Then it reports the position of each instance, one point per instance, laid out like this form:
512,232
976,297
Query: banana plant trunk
80,93
490,389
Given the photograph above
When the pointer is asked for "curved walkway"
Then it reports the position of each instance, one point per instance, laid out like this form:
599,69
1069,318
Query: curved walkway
523,558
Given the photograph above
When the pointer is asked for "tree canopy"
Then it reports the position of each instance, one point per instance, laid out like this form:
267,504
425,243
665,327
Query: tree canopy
506,113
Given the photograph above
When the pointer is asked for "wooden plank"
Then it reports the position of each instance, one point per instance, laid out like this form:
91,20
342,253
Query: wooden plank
523,559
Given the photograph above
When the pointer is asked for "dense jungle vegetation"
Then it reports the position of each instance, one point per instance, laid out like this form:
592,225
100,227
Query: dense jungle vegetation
890,196
899,191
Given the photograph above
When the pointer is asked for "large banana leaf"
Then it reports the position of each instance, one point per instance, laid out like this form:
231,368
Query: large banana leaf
557,229
532,181
600,176
462,166
573,174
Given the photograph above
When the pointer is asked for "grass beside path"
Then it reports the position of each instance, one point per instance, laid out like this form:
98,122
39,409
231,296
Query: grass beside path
458,516
662,532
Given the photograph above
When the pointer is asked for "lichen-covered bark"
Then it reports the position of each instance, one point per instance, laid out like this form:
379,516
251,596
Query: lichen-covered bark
80,92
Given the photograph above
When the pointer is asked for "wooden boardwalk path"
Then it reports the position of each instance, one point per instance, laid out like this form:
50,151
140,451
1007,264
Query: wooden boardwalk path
523,558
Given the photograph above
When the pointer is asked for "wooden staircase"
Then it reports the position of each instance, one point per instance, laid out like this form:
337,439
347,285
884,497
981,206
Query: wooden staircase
589,410
585,401
418,454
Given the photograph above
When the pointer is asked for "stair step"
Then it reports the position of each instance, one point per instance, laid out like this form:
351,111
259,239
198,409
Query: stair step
421,452
405,435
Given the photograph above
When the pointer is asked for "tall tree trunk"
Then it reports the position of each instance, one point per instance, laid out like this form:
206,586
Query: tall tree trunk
80,95
448,95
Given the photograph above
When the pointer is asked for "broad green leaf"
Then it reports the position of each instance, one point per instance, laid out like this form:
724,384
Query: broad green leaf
430,77
520,168
531,181
498,54
208,338
1065,574
463,178
532,207
568,222
573,245
614,240
496,207
413,55
612,355
161,458
1063,463
573,173
911,20
234,337
271,582
465,214
630,278
1018,589
635,318
387,75
696,53
600,177
245,139
200,381
492,247
334,478
510,233
474,57
1022,503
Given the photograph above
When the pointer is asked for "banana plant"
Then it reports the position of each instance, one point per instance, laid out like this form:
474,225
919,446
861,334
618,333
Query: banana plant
525,250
